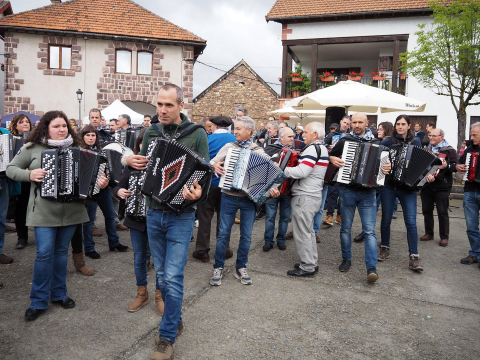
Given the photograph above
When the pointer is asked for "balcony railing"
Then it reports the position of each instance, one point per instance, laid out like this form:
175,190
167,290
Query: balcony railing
386,84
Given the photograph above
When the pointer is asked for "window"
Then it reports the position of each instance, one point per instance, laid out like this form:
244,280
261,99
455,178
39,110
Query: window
59,57
123,61
144,63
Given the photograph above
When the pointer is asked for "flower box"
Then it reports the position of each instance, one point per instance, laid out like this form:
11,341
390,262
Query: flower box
297,79
403,76
354,78
295,93
328,78
378,78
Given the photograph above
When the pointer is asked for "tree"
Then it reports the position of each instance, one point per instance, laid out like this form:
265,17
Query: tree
447,56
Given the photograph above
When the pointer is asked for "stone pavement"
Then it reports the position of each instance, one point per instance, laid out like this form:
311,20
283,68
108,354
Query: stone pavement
405,315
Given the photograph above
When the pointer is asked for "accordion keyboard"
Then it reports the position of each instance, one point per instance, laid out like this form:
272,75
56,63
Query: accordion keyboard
5,147
232,157
49,183
66,168
348,156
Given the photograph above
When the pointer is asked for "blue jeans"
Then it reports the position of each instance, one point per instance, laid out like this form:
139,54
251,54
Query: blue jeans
106,205
169,237
50,269
271,214
408,200
471,206
4,196
229,205
317,220
365,201
379,201
139,245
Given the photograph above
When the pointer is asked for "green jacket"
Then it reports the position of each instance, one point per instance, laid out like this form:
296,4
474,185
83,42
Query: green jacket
43,212
197,141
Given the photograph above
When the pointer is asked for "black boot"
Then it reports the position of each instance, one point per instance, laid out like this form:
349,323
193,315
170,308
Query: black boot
360,237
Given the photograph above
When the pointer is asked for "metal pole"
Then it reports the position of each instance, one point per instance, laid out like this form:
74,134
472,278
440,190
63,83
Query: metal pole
80,113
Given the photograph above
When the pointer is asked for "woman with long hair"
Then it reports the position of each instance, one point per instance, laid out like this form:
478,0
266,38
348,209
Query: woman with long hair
54,222
139,237
402,134
385,129
91,141
20,125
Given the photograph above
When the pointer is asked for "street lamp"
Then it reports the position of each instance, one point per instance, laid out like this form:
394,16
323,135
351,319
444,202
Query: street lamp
79,98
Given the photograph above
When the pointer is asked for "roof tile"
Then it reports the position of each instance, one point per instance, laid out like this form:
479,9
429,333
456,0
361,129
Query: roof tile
293,8
112,17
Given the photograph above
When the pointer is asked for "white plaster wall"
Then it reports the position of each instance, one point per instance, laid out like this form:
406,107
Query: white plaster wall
439,106
49,92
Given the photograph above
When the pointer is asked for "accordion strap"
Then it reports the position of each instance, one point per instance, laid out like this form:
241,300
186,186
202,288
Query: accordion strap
185,131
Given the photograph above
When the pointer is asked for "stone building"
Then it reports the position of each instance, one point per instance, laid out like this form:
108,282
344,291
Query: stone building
110,49
239,87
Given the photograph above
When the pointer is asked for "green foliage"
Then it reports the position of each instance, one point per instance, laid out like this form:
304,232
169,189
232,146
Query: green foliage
447,56
306,84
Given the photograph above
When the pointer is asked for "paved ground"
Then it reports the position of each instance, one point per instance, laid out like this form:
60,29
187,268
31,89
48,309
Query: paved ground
405,315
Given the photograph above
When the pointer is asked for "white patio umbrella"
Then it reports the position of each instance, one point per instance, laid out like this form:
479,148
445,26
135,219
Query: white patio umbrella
300,113
356,97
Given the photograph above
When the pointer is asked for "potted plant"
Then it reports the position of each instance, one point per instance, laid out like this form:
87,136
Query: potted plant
379,76
403,76
327,76
400,91
354,76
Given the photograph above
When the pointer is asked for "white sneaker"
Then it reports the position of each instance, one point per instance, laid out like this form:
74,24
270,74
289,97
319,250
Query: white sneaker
242,275
216,279
196,223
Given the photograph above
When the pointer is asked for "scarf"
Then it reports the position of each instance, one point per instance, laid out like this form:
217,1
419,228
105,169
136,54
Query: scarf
368,135
59,143
436,149
244,143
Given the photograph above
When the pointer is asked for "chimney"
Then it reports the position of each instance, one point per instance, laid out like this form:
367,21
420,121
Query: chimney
56,1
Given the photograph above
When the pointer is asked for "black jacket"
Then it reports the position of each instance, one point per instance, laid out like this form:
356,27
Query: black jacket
470,185
444,179
129,221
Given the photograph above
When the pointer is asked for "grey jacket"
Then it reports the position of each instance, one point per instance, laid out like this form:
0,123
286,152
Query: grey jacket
43,212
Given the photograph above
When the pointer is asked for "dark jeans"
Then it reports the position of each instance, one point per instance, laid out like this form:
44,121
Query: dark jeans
140,255
471,207
431,198
77,242
271,213
21,206
106,205
332,197
205,213
4,196
408,200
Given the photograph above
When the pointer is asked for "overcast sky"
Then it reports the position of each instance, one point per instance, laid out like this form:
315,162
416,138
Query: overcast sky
234,30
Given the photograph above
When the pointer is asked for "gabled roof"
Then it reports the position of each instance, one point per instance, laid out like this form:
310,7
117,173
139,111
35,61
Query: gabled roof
6,8
107,17
242,62
291,9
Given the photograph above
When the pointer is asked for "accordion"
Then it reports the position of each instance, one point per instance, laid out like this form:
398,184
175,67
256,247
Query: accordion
72,174
411,165
287,158
471,161
127,137
363,165
113,152
135,203
171,166
250,173
298,144
19,141
6,151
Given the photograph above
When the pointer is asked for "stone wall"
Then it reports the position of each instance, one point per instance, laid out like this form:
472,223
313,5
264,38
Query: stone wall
238,88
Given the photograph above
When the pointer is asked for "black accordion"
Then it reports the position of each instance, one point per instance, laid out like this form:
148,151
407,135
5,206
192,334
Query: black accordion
113,152
72,174
19,141
250,173
171,166
411,165
135,203
363,165
127,137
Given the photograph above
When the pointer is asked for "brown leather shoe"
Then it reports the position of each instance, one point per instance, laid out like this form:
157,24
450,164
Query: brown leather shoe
159,301
79,263
328,221
414,263
289,235
121,227
237,221
443,242
426,237
338,220
4,259
96,232
140,300
10,229
201,255
317,238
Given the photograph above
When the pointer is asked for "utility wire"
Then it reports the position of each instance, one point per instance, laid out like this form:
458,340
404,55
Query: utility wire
241,76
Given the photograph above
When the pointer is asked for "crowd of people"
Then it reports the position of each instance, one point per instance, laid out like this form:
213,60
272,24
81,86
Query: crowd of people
165,235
